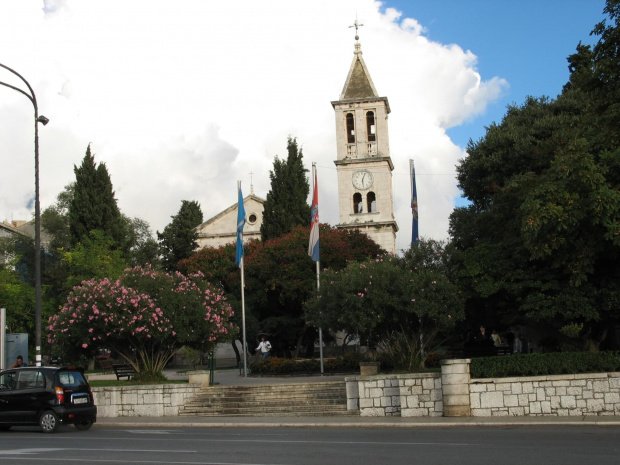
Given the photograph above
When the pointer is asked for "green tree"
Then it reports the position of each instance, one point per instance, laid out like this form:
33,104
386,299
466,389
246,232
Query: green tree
143,247
540,241
93,258
279,278
392,302
93,206
179,238
286,204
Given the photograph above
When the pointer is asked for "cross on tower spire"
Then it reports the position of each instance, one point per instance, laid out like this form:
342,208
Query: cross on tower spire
356,25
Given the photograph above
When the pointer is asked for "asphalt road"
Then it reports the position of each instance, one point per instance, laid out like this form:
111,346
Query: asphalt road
497,445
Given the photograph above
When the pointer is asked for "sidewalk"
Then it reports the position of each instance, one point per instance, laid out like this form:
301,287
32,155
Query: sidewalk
232,378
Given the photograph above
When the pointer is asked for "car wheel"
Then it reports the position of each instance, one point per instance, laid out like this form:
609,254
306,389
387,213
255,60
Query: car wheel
48,422
84,425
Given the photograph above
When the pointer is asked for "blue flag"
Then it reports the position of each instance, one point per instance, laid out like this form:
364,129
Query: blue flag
415,236
240,225
313,246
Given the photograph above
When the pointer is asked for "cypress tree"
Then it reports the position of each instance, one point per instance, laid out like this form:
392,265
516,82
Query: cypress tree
179,239
93,206
286,204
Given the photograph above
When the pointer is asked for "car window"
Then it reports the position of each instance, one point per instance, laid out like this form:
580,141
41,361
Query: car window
71,379
30,379
7,381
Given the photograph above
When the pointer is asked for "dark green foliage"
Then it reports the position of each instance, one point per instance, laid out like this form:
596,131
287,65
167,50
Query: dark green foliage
144,248
557,363
279,278
277,366
178,240
286,204
93,206
540,241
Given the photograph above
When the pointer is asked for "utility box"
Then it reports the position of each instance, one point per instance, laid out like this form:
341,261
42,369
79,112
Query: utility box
16,344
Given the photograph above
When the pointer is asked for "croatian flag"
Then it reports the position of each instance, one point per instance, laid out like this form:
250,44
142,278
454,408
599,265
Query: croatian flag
313,246
415,237
240,225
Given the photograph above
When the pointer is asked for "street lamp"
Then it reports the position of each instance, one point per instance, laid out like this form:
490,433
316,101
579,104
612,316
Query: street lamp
37,210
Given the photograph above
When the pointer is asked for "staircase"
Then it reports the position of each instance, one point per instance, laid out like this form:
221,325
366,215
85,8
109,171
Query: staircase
300,399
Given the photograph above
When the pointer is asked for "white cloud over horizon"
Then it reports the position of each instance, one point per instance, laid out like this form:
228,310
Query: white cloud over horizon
181,99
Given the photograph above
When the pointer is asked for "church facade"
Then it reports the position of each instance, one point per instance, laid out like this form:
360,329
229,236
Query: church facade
364,165
222,228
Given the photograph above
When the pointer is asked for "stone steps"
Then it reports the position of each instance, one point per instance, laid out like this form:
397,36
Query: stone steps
302,399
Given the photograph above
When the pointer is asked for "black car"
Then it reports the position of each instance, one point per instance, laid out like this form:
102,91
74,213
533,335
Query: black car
47,397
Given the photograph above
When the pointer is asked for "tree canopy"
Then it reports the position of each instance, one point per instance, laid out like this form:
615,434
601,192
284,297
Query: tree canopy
93,205
540,240
391,302
286,204
280,277
179,238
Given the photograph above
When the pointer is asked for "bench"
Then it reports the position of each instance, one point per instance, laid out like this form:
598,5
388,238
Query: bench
123,371
106,365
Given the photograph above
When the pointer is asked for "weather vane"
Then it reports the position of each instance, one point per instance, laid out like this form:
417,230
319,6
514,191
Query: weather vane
356,25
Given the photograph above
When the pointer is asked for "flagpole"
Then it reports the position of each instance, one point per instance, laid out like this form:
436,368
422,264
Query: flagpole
239,261
245,353
318,287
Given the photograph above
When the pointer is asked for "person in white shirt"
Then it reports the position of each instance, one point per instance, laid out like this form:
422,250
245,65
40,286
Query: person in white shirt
264,346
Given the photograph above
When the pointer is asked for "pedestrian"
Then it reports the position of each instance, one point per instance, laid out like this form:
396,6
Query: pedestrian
264,346
497,340
517,347
19,362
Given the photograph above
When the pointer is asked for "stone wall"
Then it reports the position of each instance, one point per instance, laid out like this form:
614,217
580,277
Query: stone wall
407,395
156,400
558,395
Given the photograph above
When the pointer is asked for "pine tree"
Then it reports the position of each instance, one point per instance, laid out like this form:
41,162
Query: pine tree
93,206
286,204
179,239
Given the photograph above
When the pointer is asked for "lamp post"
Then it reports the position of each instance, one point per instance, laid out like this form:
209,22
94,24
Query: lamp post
37,209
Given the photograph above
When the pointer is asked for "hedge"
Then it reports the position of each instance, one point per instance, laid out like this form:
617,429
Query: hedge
556,363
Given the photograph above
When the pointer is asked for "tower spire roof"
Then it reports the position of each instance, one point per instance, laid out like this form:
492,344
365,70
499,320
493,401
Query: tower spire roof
359,83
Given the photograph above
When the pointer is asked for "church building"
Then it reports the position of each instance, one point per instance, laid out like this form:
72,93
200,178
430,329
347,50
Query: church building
363,161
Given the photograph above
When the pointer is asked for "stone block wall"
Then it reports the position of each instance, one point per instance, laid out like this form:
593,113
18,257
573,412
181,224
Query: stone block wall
407,395
157,400
558,395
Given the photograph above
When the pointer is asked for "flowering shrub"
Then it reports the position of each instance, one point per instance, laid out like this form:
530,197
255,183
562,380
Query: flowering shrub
145,316
279,366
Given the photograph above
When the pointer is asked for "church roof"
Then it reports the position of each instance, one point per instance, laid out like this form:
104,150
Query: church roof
233,207
358,84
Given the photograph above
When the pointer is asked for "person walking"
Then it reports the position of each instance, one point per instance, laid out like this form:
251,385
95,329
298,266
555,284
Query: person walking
264,346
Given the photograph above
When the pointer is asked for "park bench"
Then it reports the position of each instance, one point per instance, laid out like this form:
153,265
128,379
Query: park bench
106,365
123,371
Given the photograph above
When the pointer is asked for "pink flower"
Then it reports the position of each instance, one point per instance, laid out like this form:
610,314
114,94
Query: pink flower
84,346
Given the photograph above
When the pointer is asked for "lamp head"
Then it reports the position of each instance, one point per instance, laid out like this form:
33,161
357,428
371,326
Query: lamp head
43,120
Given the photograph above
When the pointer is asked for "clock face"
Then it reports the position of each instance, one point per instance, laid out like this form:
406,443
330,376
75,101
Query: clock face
362,179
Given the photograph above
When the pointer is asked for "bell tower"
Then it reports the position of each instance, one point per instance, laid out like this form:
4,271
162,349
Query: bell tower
363,161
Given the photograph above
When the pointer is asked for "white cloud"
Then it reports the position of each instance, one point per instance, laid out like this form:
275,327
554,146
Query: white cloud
181,99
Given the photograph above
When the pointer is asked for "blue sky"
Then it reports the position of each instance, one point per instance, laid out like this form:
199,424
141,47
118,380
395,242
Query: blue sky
525,42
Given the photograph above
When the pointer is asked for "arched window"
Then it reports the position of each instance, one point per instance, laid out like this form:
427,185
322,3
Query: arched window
371,202
370,126
350,128
357,203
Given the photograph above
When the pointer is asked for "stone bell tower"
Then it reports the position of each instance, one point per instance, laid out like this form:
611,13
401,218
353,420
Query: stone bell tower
363,159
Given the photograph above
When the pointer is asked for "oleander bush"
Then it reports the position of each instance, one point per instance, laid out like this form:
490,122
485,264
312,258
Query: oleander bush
556,363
